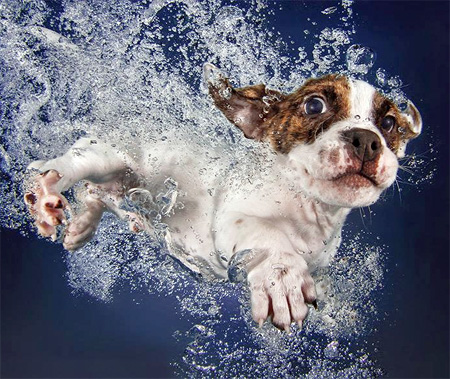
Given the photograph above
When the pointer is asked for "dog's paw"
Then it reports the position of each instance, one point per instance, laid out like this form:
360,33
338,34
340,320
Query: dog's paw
46,204
281,288
84,225
80,231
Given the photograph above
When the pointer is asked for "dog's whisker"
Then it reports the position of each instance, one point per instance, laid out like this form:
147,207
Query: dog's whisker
399,190
407,169
363,215
370,214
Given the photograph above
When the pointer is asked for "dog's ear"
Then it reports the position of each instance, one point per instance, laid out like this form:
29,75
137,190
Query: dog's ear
414,122
248,108
414,119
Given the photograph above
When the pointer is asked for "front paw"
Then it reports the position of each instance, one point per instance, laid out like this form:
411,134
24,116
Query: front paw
281,288
46,205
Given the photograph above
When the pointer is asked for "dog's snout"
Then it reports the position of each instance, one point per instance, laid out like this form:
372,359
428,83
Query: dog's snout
366,145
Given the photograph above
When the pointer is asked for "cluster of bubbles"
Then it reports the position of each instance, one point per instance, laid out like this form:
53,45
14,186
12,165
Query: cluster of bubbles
132,70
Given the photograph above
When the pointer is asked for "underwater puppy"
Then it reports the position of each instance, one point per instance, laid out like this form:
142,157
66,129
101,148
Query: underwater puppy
330,146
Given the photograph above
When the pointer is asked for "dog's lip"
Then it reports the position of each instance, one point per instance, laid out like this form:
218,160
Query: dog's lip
348,173
357,173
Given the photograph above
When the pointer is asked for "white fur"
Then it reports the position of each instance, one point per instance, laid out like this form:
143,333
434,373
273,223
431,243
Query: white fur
361,96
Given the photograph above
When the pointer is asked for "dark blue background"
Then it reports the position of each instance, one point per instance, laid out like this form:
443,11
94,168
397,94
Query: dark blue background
48,332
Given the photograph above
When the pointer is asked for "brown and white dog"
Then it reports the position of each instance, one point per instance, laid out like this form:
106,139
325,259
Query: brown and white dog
326,148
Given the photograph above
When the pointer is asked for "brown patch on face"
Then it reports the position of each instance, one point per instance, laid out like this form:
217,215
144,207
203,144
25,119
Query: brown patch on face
290,124
401,130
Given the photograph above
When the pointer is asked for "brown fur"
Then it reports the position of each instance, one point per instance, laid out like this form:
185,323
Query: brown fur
291,125
279,118
256,100
383,107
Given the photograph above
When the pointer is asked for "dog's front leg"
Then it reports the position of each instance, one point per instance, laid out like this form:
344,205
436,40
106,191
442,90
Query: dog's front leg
278,277
86,160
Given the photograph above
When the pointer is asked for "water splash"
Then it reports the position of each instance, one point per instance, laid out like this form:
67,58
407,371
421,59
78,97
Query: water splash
360,59
132,70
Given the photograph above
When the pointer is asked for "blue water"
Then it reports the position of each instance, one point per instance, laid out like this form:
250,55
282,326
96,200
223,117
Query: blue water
56,323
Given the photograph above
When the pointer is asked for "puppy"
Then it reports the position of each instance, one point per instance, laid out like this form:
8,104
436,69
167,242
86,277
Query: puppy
330,146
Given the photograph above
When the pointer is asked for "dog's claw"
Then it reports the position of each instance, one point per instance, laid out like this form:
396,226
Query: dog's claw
261,322
314,304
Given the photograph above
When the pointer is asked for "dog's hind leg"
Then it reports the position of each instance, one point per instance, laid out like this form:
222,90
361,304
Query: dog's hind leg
84,224
97,199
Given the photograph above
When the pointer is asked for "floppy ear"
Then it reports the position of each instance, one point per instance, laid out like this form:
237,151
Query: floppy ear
414,120
247,108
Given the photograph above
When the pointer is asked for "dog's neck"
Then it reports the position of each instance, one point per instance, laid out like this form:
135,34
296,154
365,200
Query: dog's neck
281,164
315,221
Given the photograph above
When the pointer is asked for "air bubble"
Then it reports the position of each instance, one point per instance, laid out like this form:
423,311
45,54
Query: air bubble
360,59
381,76
228,18
403,106
332,350
395,82
225,93
329,10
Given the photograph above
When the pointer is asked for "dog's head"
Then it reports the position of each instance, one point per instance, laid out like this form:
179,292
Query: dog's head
341,137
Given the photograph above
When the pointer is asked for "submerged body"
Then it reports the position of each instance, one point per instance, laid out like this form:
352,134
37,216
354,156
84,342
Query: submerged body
327,148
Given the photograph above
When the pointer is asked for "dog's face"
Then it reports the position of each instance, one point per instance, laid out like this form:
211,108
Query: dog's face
342,139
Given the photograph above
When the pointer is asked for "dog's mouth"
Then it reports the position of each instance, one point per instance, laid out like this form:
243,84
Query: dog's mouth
354,179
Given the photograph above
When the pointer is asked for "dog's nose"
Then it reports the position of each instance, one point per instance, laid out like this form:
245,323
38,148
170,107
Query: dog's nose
366,145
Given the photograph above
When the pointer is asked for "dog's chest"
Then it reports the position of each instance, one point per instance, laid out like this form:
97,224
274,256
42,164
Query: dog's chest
312,228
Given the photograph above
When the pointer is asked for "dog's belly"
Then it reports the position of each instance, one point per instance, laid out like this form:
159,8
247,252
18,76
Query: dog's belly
190,236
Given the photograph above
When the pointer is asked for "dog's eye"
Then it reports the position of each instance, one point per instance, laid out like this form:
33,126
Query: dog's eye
315,106
388,123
